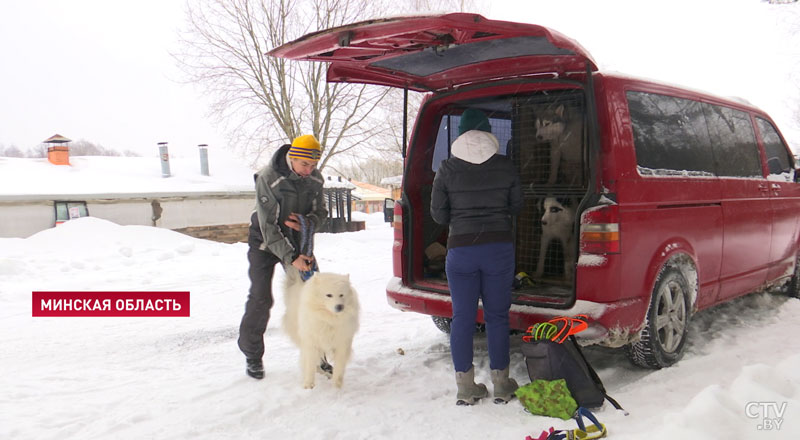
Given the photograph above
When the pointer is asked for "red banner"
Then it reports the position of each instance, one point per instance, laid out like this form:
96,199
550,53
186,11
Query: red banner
135,304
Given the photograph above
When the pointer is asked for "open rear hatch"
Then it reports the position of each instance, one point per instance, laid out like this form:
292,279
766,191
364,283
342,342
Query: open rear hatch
438,52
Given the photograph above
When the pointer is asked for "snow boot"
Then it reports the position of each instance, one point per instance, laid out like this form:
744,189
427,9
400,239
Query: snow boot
504,386
255,368
468,391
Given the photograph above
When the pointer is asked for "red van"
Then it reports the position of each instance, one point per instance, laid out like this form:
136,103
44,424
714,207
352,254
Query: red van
644,202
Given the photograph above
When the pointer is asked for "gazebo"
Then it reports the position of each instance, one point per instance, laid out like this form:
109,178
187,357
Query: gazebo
58,151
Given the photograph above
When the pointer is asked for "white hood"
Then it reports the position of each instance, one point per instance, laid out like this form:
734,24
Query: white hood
475,146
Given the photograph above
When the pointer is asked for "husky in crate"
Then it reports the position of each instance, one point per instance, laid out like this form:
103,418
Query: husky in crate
563,130
557,224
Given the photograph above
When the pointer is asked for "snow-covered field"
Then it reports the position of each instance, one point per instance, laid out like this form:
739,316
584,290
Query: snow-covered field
183,378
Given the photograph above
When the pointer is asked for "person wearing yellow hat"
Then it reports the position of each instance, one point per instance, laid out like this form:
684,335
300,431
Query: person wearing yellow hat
288,190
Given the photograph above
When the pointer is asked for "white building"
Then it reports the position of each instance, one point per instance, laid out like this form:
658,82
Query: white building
36,194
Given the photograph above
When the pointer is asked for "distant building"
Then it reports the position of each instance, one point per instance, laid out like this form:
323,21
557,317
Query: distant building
37,194
394,183
369,198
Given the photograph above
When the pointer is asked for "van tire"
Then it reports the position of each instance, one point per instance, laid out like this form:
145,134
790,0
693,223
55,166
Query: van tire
793,288
442,323
666,329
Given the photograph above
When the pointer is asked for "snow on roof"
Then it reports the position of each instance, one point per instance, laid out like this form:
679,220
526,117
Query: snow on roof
56,139
366,191
392,181
120,177
337,182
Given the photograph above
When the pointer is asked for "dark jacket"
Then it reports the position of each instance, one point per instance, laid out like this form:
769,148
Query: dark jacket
476,192
280,192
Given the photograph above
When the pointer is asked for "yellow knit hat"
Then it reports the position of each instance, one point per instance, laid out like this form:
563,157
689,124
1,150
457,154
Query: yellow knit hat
305,147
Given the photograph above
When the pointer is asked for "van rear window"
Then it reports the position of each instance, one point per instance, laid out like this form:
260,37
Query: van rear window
448,132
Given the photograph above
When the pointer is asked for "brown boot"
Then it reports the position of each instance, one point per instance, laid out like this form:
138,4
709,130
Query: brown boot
504,386
469,392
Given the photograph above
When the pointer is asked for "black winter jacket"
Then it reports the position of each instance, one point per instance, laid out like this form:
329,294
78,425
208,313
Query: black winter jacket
477,200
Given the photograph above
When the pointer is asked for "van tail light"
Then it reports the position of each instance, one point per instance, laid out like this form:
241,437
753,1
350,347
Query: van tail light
600,230
397,221
397,246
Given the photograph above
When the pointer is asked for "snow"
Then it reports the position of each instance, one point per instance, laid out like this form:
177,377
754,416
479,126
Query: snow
183,378
87,175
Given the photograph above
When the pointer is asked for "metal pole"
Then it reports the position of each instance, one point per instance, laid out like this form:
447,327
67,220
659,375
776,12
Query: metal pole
203,159
164,154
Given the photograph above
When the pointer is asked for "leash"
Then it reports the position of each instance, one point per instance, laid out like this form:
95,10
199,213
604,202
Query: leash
307,245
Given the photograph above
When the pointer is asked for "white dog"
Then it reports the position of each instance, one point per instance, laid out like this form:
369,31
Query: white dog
557,223
321,319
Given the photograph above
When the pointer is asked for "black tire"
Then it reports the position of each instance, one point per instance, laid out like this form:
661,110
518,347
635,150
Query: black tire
793,288
666,329
442,323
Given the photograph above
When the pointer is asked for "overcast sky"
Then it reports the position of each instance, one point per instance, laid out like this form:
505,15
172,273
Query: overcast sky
100,70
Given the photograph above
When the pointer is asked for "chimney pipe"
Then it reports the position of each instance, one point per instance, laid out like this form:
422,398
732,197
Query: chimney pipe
162,151
203,159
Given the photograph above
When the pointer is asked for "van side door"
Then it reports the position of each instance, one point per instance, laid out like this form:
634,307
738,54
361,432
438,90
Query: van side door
784,197
746,209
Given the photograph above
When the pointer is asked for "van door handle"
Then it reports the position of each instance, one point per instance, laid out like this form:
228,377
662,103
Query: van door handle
763,187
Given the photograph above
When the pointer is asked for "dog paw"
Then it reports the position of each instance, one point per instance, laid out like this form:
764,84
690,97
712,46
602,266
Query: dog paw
338,382
308,385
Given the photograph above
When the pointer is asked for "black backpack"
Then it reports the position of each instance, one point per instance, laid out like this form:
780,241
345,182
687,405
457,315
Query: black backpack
549,360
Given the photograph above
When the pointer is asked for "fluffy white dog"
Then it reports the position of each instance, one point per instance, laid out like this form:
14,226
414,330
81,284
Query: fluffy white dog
321,319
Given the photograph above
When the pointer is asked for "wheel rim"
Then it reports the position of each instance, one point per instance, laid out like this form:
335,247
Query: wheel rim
670,316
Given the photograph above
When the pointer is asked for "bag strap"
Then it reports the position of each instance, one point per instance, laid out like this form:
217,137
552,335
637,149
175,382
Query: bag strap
595,377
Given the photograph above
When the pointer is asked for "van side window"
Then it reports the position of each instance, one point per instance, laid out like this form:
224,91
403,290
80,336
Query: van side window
670,136
734,142
778,160
448,132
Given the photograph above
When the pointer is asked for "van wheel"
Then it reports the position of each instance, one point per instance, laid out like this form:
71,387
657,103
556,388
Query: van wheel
442,323
666,329
793,288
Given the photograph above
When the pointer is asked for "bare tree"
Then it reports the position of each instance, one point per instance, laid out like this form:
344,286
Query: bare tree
267,101
11,151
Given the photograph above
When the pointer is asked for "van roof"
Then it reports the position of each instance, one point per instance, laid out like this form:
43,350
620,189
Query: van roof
438,52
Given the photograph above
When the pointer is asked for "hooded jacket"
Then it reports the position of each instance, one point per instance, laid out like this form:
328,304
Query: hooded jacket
476,192
280,192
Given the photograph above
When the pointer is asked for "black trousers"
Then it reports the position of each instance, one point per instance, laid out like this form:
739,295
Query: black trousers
259,302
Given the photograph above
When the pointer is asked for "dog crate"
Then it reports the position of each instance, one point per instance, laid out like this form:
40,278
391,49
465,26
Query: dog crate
533,129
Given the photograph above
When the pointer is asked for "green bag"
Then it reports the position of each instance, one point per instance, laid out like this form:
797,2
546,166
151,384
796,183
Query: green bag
547,398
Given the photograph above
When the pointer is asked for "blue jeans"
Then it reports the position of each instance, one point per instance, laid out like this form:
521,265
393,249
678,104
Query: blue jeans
485,272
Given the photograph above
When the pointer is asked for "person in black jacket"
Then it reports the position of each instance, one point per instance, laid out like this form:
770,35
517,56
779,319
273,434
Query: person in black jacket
289,186
477,192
